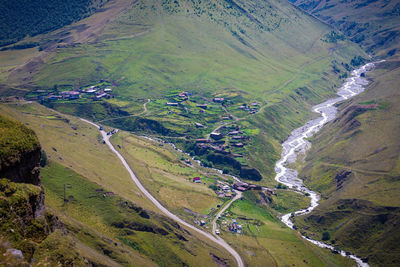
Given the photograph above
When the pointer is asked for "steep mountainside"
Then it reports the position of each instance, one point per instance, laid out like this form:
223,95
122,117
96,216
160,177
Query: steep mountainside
373,24
20,152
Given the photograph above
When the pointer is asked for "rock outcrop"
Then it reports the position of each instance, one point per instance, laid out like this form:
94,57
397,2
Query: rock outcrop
19,153
23,222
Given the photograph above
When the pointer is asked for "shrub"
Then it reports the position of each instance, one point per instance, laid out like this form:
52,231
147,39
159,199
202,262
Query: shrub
326,236
213,187
281,186
43,159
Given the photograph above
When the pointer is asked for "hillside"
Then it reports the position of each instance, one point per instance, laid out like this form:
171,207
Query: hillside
373,24
105,207
19,153
30,232
268,53
90,226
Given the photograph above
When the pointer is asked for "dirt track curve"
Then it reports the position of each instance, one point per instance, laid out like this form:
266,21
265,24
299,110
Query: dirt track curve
166,212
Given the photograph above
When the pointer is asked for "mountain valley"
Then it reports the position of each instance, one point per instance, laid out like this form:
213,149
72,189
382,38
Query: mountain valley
197,98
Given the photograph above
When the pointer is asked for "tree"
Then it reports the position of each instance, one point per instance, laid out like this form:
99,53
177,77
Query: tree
225,170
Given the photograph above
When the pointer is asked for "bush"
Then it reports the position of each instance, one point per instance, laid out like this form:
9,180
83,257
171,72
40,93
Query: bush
207,164
357,61
213,187
225,170
281,186
43,159
326,236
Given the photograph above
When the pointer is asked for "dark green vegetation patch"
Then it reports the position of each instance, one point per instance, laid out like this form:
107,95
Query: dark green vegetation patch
21,18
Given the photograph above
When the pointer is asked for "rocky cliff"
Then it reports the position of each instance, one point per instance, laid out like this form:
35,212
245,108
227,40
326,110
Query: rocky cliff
23,223
19,153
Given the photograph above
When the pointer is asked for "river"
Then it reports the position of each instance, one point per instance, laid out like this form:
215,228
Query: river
297,144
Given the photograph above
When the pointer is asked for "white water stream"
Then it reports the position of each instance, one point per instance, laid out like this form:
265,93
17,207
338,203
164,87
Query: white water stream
297,144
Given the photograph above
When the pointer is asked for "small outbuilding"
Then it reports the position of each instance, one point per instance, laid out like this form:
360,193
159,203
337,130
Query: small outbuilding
196,180
218,99
216,136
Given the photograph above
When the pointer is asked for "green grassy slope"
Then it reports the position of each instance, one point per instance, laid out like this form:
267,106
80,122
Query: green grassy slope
264,241
373,24
126,224
354,163
15,140
95,222
265,51
208,46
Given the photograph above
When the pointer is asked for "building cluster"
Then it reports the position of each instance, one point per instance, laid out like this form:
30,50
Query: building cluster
235,227
94,92
252,108
224,143
241,186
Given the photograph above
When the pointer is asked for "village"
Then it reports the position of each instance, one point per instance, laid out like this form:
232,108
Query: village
94,92
227,137
203,112
213,122
221,112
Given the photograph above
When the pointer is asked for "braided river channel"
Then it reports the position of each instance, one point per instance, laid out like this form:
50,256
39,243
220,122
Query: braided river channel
297,144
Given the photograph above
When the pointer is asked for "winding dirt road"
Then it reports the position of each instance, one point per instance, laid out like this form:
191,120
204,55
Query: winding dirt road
166,212
134,115
214,222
